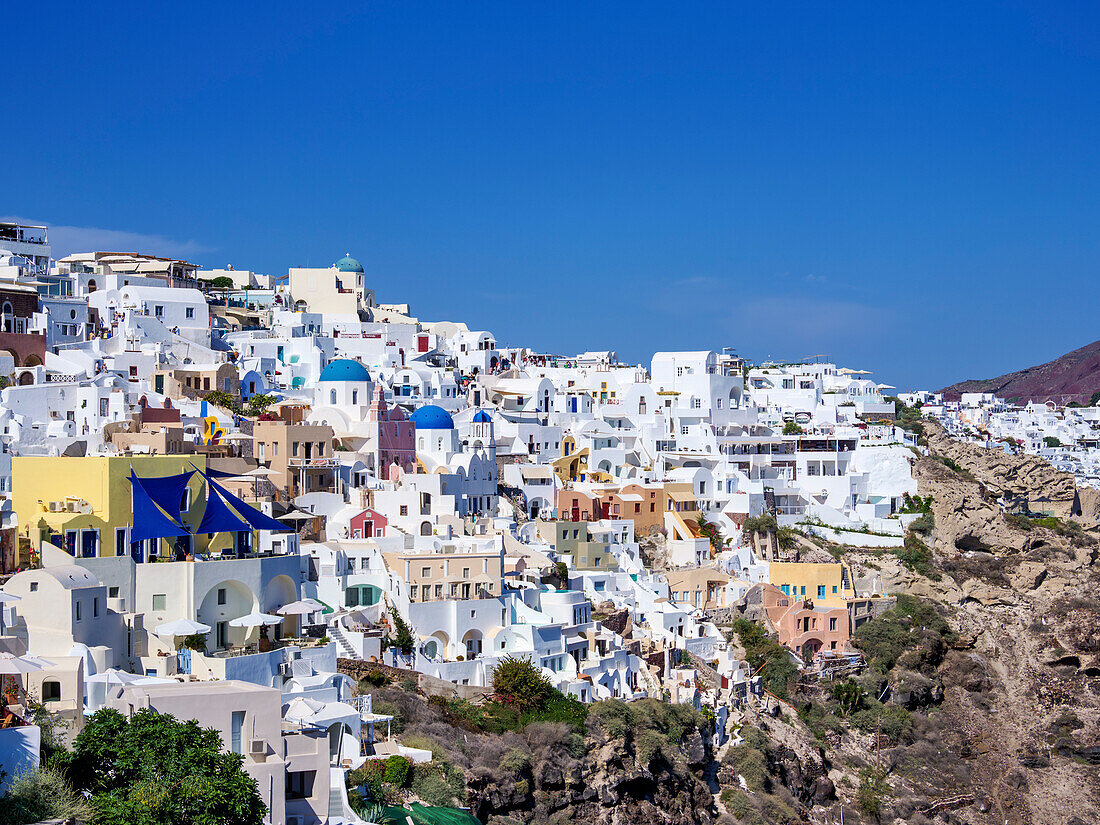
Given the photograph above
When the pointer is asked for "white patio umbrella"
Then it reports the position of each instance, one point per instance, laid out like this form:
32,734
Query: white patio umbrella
255,620
11,665
113,676
181,627
298,608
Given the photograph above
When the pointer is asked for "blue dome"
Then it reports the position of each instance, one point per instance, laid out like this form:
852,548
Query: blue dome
349,264
344,369
432,417
482,417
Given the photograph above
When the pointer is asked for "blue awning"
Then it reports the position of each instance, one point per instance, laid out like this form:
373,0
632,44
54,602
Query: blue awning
254,517
218,518
167,491
150,522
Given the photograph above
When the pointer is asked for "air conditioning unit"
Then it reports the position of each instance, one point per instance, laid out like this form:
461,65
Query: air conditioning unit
285,669
256,747
55,506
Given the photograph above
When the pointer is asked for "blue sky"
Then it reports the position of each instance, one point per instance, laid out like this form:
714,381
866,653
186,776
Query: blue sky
907,189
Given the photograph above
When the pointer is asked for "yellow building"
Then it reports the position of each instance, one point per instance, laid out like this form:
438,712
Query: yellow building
83,504
829,585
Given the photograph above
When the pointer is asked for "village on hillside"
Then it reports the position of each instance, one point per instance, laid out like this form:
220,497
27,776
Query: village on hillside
239,498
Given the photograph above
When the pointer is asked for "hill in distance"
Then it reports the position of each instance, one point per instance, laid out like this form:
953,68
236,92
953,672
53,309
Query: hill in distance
1073,377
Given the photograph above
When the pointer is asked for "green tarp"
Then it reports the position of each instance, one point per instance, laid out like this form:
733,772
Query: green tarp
423,815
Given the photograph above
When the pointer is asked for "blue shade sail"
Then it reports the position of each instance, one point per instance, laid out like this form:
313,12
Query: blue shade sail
218,518
167,491
254,517
150,522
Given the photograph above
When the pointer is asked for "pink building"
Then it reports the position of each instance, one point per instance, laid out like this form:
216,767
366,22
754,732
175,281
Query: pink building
368,524
391,439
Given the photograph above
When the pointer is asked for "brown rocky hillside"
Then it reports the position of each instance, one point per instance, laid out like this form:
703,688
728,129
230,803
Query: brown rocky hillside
1073,377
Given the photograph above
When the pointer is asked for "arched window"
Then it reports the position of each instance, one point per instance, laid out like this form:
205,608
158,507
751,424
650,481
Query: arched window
355,396
332,397
9,317
51,690
426,528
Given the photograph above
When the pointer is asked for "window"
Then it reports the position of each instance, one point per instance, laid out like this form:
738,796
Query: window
95,606
425,572
51,691
299,784
832,624
221,595
77,606
803,590
834,589
683,429
821,591
34,587
120,542
190,313
158,311
112,592
160,602
404,511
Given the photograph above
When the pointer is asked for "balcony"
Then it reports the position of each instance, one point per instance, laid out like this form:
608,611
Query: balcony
313,463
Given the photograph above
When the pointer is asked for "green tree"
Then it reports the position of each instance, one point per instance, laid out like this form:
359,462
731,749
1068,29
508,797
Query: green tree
521,684
258,403
849,696
222,282
222,399
153,769
791,428
1051,441
402,637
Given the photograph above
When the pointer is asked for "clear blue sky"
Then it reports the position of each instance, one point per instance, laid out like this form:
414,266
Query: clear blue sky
912,190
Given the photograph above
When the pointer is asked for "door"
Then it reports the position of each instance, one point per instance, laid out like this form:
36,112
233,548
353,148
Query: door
158,384
237,728
221,635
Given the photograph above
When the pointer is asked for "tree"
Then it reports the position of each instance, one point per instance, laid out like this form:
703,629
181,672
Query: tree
1051,441
152,769
402,637
849,696
520,684
220,398
791,428
258,403
222,282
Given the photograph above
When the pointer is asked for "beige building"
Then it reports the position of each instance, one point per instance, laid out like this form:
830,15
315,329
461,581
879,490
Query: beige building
196,381
437,576
699,587
300,456
337,290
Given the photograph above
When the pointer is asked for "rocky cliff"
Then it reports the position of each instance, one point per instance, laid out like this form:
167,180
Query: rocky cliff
1073,377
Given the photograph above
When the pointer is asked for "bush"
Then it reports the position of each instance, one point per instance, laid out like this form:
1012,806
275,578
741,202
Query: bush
791,428
39,795
872,791
769,657
923,524
515,761
911,625
917,556
752,766
376,678
520,684
764,523
891,721
397,771
736,802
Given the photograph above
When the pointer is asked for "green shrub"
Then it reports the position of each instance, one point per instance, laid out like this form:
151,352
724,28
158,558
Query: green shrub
397,771
439,783
924,524
752,766
891,721
872,792
736,802
772,660
764,523
520,683
515,761
917,556
39,795
912,624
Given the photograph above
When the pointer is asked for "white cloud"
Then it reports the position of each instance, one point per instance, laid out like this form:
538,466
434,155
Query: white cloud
65,240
